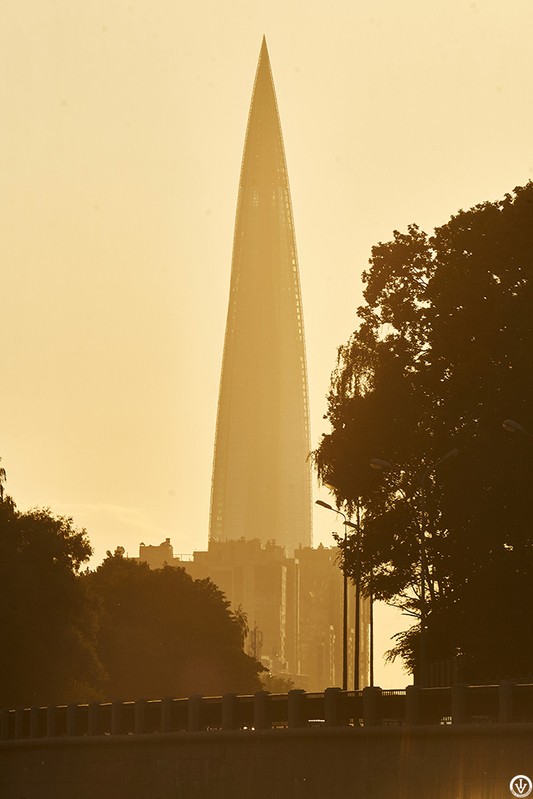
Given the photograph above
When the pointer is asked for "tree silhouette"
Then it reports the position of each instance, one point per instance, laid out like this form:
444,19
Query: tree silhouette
47,620
121,631
161,633
442,355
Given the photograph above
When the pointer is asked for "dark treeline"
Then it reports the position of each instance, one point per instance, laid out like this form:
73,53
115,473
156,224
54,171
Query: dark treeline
441,357
121,631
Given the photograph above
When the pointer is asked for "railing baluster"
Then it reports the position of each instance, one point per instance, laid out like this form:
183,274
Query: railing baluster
229,712
34,722
4,724
116,717
166,714
372,707
506,702
140,717
458,702
297,716
195,720
334,713
72,720
261,710
19,722
93,718
50,721
412,704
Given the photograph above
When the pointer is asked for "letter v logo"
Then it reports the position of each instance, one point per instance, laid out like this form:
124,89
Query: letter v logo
521,785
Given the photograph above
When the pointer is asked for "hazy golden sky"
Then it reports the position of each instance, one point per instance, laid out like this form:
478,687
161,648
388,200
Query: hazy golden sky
120,147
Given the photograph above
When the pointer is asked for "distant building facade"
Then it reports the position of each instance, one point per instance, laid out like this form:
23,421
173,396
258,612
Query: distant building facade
293,605
261,473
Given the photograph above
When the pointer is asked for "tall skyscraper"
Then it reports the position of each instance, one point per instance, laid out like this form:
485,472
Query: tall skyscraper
261,484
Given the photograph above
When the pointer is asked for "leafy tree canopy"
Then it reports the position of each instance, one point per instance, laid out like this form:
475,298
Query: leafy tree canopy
122,631
162,633
47,619
441,356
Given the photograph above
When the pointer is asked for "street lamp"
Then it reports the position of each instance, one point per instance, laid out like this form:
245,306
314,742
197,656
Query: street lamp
376,463
344,596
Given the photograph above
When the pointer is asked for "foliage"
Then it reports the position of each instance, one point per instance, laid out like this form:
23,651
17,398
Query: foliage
164,634
441,356
47,620
122,631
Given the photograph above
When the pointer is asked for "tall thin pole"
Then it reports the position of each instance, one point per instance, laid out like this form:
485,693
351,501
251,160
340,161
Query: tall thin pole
423,567
357,642
371,600
344,620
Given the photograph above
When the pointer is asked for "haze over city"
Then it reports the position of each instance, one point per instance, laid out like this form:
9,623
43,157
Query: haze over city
120,154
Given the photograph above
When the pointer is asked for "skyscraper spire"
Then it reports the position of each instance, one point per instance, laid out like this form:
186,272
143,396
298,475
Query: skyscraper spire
261,475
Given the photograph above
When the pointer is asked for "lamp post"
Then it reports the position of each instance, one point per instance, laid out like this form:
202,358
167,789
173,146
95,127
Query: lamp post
357,664
376,463
344,597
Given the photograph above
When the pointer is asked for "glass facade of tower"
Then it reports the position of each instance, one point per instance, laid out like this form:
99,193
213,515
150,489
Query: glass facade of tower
261,475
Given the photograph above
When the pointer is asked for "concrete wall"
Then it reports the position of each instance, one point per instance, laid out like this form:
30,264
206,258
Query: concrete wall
474,761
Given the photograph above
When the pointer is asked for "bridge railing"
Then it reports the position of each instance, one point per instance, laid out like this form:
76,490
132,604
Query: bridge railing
460,704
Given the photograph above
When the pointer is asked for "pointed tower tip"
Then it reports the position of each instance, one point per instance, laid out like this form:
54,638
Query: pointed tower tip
264,57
